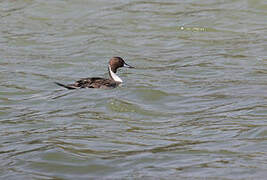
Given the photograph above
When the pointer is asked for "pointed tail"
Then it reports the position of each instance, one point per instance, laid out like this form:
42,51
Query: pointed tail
65,86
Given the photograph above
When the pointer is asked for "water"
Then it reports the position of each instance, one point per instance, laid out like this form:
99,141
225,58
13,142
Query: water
195,107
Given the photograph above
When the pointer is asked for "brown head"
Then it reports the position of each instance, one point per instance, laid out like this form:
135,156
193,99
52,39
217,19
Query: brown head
118,62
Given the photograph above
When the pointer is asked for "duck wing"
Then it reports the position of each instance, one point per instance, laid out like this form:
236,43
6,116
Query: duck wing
95,82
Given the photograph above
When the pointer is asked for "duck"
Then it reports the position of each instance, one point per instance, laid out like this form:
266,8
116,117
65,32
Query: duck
97,82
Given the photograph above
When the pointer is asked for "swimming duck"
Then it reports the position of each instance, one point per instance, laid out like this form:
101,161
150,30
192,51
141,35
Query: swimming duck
98,82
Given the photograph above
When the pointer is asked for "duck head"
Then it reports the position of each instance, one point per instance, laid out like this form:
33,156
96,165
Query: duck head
114,64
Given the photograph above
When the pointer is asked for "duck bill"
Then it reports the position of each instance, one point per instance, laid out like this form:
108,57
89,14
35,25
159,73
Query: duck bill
127,66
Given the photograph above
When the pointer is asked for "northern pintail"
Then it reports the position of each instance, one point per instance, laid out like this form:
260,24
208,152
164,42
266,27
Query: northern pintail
98,82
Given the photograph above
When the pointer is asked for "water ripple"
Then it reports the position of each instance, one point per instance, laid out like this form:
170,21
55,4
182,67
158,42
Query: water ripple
194,107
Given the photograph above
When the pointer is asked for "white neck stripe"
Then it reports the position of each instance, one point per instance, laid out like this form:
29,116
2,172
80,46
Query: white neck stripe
113,75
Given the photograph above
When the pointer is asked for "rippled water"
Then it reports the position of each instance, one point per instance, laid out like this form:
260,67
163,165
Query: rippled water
195,106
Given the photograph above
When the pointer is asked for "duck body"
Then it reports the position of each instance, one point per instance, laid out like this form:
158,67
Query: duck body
98,82
94,82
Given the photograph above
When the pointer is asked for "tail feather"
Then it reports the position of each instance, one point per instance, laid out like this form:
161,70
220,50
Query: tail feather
65,86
